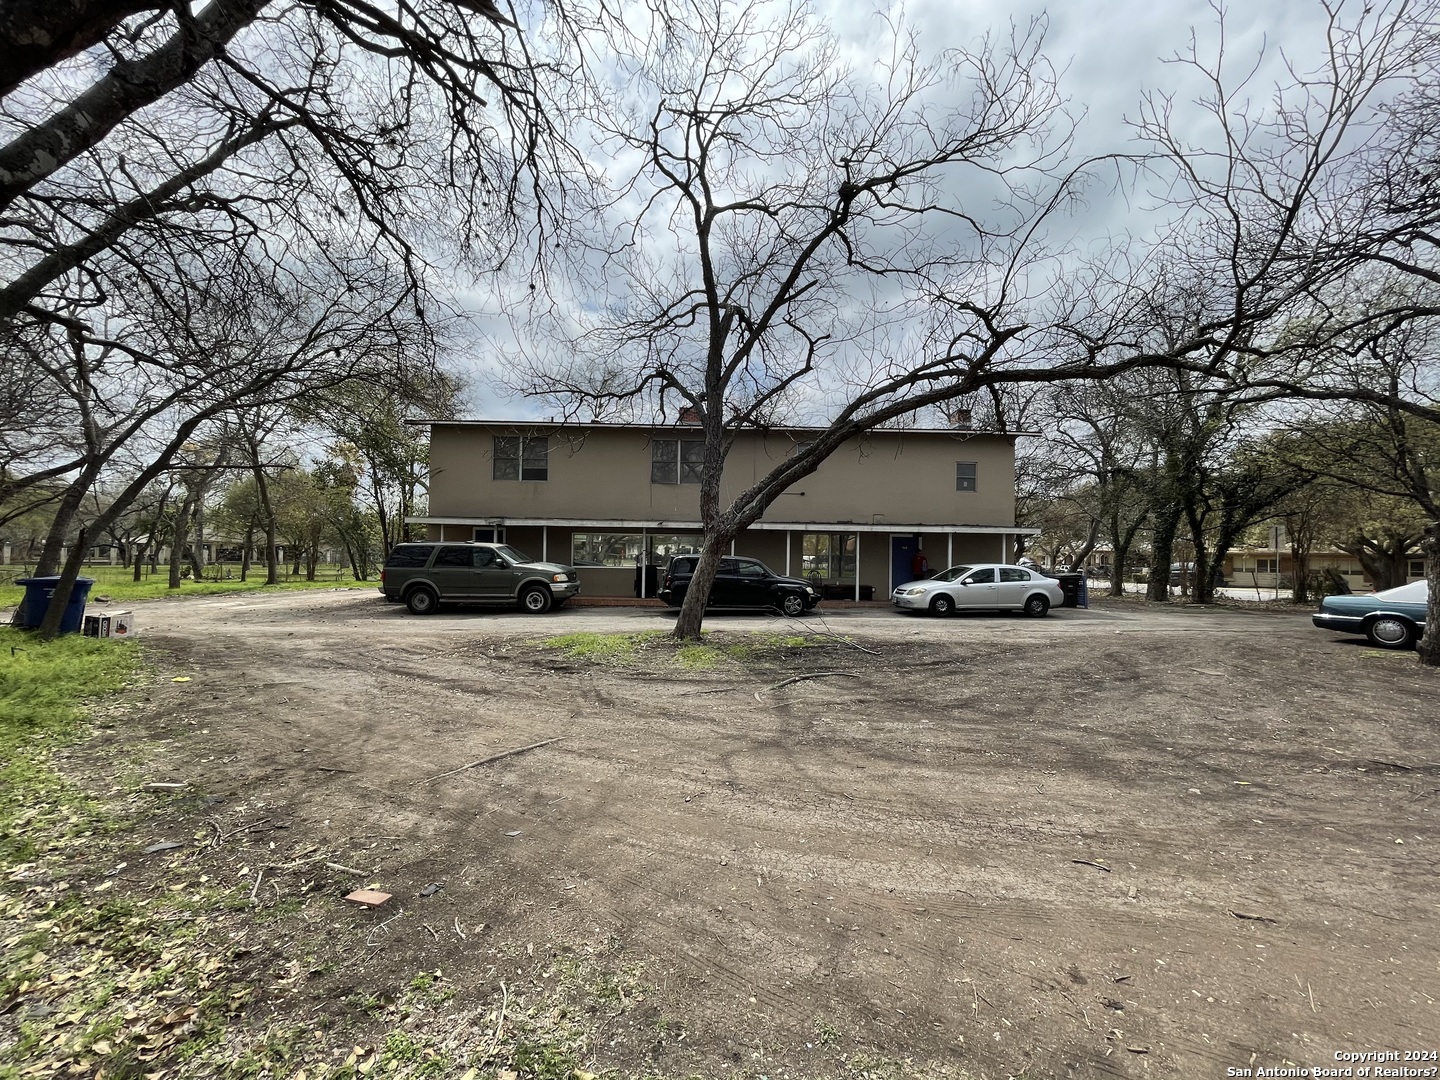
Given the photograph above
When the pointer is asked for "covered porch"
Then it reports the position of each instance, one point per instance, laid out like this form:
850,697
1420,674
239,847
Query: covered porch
846,560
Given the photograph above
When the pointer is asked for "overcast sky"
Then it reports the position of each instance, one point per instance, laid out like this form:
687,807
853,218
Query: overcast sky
1110,53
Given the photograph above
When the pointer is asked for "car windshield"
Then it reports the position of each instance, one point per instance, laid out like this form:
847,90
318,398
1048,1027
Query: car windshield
954,573
512,554
1417,592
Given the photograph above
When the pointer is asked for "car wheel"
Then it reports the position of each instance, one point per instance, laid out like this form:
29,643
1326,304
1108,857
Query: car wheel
942,605
535,599
1389,632
1036,606
422,600
793,605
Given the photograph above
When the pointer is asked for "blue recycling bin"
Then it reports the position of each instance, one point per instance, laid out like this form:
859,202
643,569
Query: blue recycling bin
38,591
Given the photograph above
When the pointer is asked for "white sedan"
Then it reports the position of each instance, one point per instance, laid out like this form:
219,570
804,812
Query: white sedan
983,587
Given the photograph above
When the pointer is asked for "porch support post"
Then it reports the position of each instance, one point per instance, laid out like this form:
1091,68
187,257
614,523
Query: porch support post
544,543
857,567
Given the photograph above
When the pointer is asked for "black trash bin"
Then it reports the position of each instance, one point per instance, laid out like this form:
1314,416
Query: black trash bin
652,582
38,591
1072,584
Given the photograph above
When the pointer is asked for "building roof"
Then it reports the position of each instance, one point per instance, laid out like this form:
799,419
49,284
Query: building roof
783,429
655,525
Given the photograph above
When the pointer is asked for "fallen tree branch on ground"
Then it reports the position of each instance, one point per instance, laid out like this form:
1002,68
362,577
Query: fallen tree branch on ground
492,758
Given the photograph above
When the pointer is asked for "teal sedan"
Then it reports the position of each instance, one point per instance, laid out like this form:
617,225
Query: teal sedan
1393,619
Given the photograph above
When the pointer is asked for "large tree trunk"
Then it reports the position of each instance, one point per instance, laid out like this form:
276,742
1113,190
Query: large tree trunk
248,550
1385,564
197,549
1120,541
180,535
267,509
692,611
64,588
1092,541
1430,644
1167,523
1299,569
65,511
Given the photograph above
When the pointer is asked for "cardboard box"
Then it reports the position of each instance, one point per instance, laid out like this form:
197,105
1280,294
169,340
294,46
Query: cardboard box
110,624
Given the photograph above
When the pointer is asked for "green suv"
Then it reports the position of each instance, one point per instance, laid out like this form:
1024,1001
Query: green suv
424,576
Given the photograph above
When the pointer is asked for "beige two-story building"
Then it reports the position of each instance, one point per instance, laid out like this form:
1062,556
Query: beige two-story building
613,498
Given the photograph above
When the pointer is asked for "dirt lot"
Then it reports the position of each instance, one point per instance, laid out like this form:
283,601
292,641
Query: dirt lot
1120,843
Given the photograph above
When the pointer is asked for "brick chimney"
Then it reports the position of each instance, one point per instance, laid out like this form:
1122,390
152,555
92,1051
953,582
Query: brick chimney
690,415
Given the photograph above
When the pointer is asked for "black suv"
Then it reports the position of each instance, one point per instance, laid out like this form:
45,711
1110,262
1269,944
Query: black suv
423,576
740,583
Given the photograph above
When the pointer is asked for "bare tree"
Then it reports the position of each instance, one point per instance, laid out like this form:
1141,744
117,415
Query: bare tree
1388,453
258,336
1324,188
1098,461
371,428
830,252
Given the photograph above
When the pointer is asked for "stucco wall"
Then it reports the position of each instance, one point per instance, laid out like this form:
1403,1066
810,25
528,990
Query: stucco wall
604,474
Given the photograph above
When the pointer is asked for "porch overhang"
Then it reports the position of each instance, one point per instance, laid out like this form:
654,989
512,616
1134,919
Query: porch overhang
613,524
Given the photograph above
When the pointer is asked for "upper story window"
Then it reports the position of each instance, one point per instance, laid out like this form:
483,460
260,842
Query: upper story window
676,461
965,476
521,458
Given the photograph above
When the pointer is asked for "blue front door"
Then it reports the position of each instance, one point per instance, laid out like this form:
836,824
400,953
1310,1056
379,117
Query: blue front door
902,551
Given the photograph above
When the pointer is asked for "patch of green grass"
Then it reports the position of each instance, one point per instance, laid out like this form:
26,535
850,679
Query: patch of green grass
604,648
701,657
424,980
117,583
43,689
543,1061
657,646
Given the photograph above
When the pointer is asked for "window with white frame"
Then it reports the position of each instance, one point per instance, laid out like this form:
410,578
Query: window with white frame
676,461
520,457
965,476
1417,567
